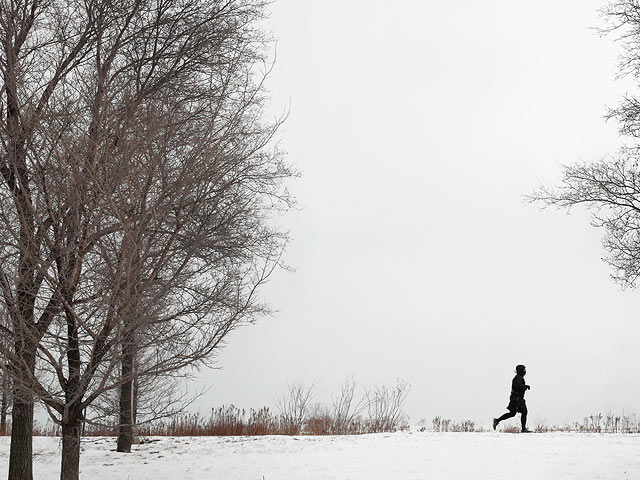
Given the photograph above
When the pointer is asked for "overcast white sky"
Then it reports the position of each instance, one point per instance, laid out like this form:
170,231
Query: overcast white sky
418,127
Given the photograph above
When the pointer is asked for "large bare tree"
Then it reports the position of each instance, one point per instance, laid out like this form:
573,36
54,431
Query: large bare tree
138,192
610,188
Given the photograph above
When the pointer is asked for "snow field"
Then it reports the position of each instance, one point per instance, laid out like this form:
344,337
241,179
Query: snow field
398,456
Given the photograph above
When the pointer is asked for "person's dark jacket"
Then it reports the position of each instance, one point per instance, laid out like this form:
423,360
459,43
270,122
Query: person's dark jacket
518,386
516,399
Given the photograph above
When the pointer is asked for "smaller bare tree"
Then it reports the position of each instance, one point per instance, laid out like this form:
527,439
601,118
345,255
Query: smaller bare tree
294,406
346,409
385,406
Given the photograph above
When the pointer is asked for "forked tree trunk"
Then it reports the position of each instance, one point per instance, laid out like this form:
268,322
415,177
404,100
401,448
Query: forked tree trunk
71,445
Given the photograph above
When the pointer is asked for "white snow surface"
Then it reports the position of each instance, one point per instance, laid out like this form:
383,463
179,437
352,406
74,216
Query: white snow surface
398,456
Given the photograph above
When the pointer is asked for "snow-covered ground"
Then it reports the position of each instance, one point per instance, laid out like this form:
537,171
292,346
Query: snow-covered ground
398,456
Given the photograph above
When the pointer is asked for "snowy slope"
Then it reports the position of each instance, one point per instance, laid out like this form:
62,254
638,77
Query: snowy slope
399,456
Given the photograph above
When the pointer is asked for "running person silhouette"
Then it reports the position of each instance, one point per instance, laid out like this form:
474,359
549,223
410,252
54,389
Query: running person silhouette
516,400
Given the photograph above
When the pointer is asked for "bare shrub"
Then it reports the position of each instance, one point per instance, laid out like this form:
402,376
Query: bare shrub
447,425
597,423
542,427
228,421
320,421
464,426
294,407
298,415
347,410
224,421
385,406
511,429
437,424
612,424
262,422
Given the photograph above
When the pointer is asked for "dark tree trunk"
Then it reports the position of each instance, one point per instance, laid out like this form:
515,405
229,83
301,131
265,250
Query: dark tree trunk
125,429
72,416
21,451
71,445
134,413
20,455
4,405
17,178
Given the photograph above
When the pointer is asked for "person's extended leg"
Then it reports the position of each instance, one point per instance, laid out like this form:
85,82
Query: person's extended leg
509,414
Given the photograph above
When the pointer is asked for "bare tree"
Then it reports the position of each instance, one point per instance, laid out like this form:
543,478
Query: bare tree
138,185
610,188
611,191
29,35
